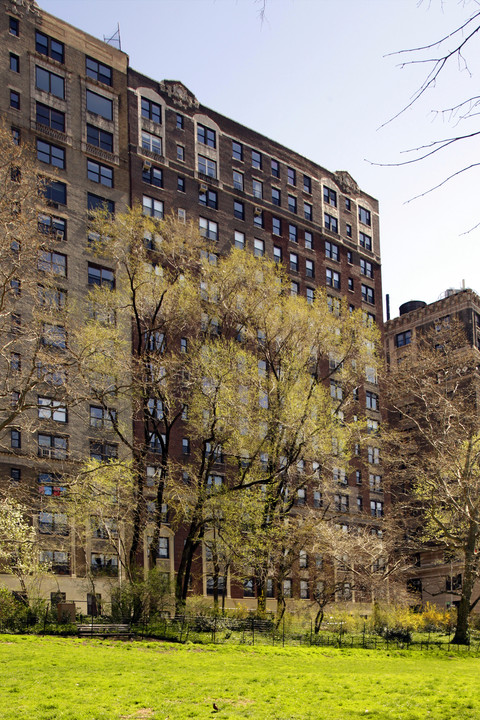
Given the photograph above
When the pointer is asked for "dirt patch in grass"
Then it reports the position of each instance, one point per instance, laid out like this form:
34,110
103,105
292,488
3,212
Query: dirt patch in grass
139,714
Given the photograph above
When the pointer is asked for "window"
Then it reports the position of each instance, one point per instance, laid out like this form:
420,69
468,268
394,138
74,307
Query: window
329,196
206,136
310,293
348,230
292,233
258,247
16,135
152,143
103,528
287,588
301,500
333,278
291,176
53,523
373,455
308,240
50,82
331,222
371,400
368,294
332,251
304,590
366,268
13,26
100,138
95,202
308,211
276,226
208,198
292,203
15,439
294,288
185,446
180,183
103,418
180,153
239,240
256,160
50,154
14,100
277,254
152,207
294,262
341,503
238,210
275,165
309,269
258,218
179,121
46,45
151,110
375,482
51,225
257,189
276,196
207,167
307,184
49,117
98,71
103,451
364,216
98,275
53,262
54,336
100,173
104,564
376,508
52,446
49,409
365,241
152,176
208,228
403,338
14,63
15,475
237,151
237,180
248,588
99,105
163,548
15,362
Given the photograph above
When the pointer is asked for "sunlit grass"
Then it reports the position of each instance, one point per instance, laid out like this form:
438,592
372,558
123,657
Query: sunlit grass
64,678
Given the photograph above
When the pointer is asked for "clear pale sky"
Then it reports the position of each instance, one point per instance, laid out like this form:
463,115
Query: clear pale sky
314,77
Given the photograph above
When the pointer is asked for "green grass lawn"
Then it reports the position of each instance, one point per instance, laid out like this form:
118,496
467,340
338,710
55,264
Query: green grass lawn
64,678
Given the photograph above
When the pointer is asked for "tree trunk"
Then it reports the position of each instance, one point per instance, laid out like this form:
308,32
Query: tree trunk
319,619
181,584
461,636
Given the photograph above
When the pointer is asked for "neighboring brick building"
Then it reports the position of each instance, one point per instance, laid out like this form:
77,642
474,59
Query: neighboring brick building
111,134
432,578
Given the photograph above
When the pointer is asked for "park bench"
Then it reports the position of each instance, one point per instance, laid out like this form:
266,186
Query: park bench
104,630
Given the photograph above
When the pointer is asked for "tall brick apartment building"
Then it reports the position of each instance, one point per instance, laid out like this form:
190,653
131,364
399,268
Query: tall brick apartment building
104,133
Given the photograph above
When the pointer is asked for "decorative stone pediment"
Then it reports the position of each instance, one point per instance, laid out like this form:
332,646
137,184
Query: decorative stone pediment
180,94
346,182
20,7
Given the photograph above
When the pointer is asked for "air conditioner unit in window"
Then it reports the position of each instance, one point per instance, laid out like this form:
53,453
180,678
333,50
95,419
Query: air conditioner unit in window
59,235
147,164
258,211
203,187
